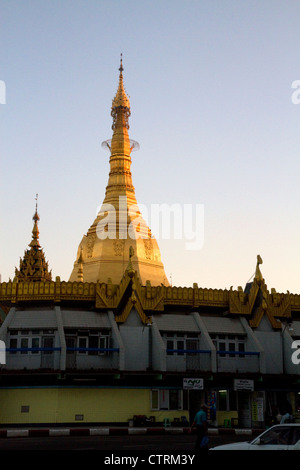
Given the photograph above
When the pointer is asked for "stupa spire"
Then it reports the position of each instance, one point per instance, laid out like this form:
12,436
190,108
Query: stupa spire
121,99
33,266
103,251
120,146
35,231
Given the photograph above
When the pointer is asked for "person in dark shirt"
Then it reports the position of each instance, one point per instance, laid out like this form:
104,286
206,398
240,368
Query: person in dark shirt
200,422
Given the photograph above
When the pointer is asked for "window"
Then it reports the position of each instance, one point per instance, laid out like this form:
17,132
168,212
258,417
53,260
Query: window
13,344
24,345
35,344
241,347
165,399
179,344
103,344
231,348
82,344
180,347
222,347
230,344
92,343
170,347
276,436
26,340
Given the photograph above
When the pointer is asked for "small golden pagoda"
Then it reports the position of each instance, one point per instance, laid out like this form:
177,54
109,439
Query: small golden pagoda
103,253
33,266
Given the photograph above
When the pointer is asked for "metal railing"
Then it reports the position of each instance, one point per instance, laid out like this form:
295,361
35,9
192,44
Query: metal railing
14,350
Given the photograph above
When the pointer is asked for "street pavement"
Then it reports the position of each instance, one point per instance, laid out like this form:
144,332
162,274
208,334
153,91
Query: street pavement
120,443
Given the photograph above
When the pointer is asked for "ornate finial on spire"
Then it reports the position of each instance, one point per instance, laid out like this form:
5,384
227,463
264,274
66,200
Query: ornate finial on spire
36,217
121,100
121,64
35,231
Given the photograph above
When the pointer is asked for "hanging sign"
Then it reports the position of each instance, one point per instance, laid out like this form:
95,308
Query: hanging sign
193,384
243,384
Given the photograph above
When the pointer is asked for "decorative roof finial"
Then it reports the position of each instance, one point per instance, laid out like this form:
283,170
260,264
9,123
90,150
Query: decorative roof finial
121,64
36,216
258,275
33,266
121,103
35,230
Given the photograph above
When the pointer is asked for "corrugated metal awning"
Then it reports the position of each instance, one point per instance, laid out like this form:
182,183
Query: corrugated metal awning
176,322
33,319
223,325
84,319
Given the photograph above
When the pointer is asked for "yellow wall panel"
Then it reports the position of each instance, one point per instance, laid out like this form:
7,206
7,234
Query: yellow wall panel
61,405
42,405
102,405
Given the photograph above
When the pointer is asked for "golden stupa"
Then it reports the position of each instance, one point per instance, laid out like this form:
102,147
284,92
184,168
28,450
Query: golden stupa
119,234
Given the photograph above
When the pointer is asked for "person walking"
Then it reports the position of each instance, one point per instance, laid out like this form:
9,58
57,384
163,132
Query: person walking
200,422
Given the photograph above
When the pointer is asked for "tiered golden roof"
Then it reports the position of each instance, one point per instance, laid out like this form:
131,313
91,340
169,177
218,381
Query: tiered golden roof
253,303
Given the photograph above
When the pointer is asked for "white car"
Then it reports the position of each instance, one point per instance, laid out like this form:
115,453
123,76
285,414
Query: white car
278,437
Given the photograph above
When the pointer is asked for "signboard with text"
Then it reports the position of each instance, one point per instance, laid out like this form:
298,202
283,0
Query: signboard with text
258,409
243,384
193,384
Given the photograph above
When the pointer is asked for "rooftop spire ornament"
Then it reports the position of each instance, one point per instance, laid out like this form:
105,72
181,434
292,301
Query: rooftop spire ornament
33,266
